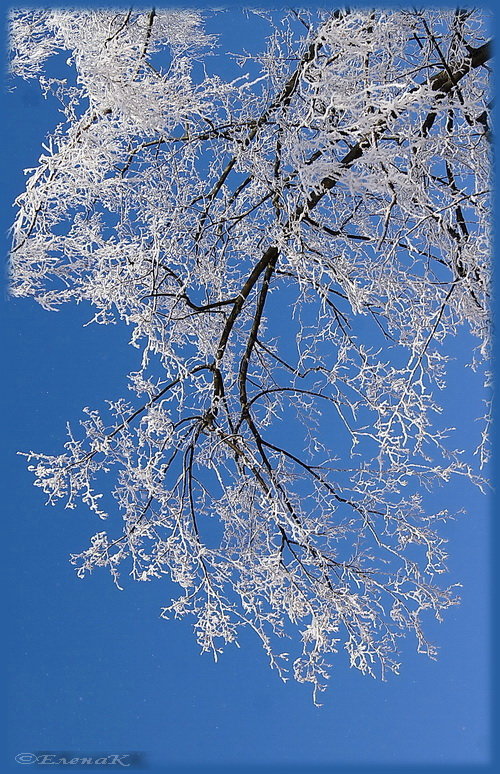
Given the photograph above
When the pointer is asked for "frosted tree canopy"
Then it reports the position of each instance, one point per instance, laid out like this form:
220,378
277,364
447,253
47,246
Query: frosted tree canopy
295,237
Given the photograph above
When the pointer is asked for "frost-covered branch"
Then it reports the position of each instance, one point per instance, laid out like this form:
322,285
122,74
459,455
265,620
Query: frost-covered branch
293,249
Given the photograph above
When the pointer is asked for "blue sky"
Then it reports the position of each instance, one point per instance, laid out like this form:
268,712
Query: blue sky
92,669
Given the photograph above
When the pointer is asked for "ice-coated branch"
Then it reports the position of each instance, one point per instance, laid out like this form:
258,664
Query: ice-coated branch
293,239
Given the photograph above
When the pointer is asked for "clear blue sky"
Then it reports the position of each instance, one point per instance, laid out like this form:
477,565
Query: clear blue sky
91,668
